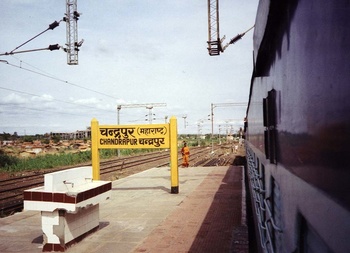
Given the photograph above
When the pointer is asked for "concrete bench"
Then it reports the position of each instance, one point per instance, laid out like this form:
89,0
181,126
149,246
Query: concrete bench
69,205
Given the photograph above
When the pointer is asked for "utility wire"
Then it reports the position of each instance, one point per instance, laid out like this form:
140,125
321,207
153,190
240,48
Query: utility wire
32,66
42,110
58,79
62,101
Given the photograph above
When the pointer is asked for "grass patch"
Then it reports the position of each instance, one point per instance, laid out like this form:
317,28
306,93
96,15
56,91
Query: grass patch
13,164
43,162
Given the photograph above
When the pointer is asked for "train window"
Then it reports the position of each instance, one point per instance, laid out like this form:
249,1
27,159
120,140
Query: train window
269,121
265,113
273,205
271,110
254,157
310,241
266,144
272,134
261,171
262,174
277,214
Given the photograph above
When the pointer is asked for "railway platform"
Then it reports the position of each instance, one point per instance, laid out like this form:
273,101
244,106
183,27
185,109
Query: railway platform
207,215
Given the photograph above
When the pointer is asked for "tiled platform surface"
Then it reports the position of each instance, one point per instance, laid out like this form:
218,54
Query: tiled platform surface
208,215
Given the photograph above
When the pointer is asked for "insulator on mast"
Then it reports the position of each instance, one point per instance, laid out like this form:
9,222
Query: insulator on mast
238,37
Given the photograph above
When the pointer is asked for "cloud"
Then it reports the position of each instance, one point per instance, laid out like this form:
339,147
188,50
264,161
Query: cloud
13,99
42,98
85,101
18,104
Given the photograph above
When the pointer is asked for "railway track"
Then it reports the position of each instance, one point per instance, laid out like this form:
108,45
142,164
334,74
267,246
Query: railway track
11,189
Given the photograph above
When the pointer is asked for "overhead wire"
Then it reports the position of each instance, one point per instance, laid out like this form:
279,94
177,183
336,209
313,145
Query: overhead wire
30,65
54,99
48,75
58,79
45,110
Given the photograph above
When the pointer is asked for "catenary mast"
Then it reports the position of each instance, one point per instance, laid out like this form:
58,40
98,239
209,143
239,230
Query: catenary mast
71,18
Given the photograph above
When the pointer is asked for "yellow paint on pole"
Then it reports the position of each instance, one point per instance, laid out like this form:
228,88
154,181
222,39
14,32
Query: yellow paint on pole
174,169
95,157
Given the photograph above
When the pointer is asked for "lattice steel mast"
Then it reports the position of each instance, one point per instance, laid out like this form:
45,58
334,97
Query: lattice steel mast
71,18
214,44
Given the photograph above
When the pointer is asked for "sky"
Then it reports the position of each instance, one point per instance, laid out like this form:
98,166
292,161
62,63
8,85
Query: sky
134,52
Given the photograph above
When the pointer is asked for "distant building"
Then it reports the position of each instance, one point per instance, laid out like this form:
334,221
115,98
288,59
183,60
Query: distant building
78,135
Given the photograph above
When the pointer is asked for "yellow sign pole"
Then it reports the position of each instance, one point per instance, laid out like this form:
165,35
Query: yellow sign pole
95,157
174,170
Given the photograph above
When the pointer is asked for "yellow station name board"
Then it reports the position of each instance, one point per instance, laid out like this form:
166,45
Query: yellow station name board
136,136
133,136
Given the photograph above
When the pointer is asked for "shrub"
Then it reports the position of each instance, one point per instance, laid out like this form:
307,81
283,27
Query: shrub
6,160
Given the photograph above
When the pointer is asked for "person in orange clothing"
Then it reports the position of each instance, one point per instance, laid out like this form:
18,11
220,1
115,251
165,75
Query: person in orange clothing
185,151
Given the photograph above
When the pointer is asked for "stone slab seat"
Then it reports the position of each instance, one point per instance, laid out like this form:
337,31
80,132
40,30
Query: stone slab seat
69,204
68,189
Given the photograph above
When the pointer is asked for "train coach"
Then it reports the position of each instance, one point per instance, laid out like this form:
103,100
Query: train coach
298,126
